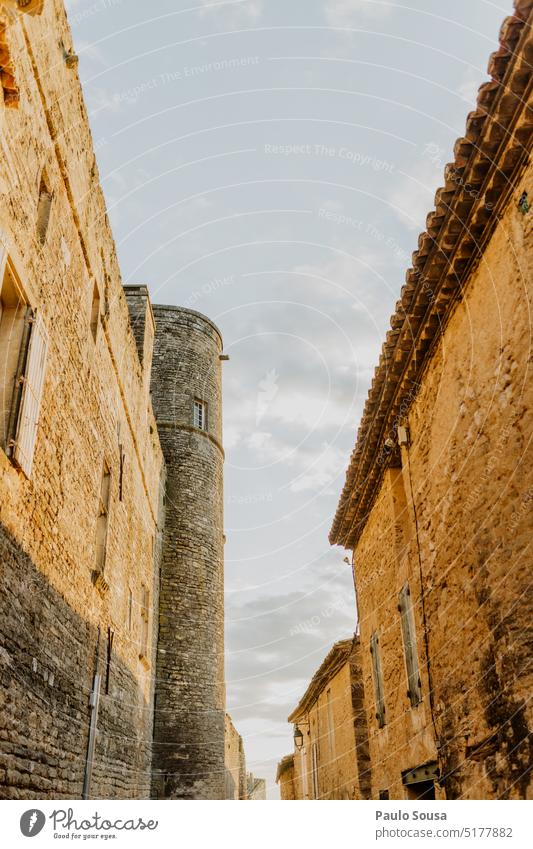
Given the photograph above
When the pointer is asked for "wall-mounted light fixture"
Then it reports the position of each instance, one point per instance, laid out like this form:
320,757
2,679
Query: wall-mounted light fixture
71,59
298,734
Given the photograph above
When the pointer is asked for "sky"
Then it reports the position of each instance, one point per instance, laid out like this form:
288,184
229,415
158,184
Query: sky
271,164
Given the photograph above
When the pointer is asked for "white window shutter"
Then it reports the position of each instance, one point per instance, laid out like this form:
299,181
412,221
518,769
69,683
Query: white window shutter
31,397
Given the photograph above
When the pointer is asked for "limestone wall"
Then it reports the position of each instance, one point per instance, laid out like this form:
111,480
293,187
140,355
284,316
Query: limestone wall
332,730
235,763
333,762
95,407
458,514
471,464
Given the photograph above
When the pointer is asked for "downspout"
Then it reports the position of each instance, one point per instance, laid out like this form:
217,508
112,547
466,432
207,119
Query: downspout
406,443
94,700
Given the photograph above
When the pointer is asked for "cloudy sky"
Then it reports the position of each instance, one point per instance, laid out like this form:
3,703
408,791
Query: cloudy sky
270,164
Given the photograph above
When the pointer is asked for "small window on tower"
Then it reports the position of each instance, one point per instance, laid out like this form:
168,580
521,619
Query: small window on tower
200,414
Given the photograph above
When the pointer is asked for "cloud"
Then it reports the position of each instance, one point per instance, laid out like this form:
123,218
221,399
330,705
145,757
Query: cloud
348,13
274,644
414,195
234,13
320,471
469,85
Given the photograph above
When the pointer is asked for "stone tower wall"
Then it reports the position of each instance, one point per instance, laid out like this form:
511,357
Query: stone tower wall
190,697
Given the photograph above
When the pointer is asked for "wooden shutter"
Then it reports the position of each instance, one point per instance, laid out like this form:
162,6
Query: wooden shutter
303,768
32,389
378,680
3,260
405,607
314,758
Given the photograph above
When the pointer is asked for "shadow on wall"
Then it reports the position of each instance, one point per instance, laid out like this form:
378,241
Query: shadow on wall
47,658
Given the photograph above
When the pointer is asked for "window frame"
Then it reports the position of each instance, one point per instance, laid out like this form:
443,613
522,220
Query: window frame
22,410
314,769
200,422
377,677
410,649
145,623
102,518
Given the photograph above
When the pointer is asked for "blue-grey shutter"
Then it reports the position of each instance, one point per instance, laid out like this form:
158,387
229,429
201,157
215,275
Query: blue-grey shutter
379,693
414,685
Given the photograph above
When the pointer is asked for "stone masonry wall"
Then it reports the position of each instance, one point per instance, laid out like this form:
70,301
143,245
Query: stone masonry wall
385,560
471,464
190,698
458,513
338,759
95,407
235,761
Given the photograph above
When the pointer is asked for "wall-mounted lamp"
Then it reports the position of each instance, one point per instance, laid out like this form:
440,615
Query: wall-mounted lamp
403,435
71,59
298,737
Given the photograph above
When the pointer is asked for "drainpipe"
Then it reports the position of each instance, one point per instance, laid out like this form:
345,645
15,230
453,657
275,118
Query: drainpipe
404,441
94,700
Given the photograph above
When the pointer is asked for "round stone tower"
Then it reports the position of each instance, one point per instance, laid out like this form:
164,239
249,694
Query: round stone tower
188,748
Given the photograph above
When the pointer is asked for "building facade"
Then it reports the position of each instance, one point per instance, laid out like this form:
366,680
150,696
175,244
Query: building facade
285,779
437,502
111,627
330,760
235,762
256,788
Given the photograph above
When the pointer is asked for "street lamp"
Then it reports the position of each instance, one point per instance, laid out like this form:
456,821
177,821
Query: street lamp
298,737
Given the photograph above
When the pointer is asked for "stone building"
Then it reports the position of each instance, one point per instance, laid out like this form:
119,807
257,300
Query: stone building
235,761
111,538
330,760
285,779
187,398
256,788
437,502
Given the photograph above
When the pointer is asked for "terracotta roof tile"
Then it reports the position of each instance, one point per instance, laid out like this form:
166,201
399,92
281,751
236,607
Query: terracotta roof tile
497,140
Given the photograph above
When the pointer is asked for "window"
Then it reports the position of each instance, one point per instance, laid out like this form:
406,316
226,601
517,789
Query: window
145,619
200,414
303,770
103,519
130,609
95,312
122,460
23,354
44,207
331,724
414,685
377,676
314,756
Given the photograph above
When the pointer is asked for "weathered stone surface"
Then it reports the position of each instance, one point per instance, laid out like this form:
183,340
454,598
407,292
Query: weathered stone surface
190,707
333,762
96,409
236,779
454,521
